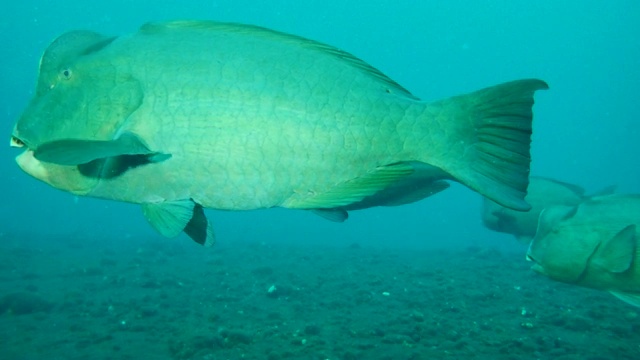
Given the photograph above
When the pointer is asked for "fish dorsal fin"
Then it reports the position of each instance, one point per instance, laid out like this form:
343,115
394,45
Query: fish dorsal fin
551,216
76,152
609,190
618,253
578,190
629,298
389,84
351,191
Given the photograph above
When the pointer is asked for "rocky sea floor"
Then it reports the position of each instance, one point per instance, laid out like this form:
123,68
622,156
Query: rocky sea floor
63,298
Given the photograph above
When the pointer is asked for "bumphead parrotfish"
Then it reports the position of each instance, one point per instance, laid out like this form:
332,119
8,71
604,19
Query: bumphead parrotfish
541,193
594,244
187,115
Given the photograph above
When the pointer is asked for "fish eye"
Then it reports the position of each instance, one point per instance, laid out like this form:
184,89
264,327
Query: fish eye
66,73
15,142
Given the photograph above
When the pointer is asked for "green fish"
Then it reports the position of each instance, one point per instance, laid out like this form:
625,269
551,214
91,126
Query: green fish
541,193
187,115
594,244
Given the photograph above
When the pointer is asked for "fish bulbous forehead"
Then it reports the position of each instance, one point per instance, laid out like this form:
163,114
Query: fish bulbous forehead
64,50
92,104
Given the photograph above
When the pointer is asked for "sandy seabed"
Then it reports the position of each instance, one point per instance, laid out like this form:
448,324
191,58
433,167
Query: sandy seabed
74,298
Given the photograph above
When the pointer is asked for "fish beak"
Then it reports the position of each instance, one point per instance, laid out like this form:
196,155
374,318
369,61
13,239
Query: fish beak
536,265
538,268
15,142
29,164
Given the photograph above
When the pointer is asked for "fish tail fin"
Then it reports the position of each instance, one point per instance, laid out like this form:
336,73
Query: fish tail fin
488,140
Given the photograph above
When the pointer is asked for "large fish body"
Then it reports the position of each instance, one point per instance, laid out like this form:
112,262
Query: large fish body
594,244
187,115
541,193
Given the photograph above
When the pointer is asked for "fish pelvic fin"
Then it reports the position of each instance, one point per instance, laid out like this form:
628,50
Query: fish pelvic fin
170,218
487,140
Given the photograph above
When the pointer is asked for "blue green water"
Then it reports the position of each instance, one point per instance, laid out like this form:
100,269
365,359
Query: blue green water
586,128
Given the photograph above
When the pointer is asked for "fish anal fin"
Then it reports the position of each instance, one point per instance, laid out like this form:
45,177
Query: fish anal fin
351,191
416,194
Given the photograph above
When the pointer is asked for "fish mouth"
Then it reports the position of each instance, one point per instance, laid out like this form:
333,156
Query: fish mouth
27,162
536,264
530,258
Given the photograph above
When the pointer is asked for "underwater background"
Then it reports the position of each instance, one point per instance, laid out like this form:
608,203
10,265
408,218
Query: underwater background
85,278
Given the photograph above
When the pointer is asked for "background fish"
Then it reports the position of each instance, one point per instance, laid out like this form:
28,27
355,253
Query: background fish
189,115
541,193
593,244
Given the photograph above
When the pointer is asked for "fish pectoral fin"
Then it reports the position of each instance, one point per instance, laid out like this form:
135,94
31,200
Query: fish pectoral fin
172,217
335,215
617,254
77,152
353,190
629,298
